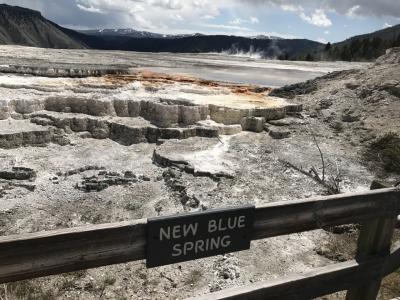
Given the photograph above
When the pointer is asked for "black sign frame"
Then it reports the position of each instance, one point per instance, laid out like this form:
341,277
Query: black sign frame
177,238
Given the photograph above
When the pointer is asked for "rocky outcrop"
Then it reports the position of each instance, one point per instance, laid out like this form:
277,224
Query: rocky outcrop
185,166
104,179
253,124
19,139
309,86
289,121
4,110
93,107
16,177
230,116
173,179
392,57
222,129
79,171
25,106
161,113
122,130
278,133
15,134
273,113
64,71
18,173
350,116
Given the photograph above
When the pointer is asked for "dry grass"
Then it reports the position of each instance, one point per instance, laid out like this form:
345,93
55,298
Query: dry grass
341,247
385,152
26,290
194,277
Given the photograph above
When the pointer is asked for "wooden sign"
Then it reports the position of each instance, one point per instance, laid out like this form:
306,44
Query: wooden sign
196,235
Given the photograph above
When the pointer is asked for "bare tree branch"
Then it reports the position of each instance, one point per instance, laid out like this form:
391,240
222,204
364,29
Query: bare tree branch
320,153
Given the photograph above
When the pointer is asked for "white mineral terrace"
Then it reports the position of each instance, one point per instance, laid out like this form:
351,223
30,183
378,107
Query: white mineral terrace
217,67
124,84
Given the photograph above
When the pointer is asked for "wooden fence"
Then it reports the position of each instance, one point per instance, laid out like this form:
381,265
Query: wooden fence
34,255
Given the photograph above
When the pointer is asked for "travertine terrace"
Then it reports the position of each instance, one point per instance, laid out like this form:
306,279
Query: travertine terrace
91,137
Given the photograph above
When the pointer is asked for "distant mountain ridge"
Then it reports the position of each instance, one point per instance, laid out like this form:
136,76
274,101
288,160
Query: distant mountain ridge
265,48
130,32
22,26
27,27
364,47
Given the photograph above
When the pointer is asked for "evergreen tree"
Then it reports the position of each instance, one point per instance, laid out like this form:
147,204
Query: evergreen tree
309,57
328,46
345,54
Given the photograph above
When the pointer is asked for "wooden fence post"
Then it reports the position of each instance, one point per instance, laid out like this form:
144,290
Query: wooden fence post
375,239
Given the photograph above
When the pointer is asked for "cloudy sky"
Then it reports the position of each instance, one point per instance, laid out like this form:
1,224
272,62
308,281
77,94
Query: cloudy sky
322,20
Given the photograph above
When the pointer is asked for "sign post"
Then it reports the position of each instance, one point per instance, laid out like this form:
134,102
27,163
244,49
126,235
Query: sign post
197,235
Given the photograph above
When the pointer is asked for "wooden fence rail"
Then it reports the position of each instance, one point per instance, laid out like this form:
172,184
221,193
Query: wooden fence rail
315,283
309,285
47,253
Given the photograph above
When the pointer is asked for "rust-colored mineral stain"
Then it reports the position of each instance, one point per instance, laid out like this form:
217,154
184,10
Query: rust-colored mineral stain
149,78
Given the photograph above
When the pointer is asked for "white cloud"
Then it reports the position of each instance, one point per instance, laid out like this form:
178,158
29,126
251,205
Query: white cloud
152,14
228,27
292,7
327,32
254,20
376,8
322,40
185,16
239,21
387,25
90,9
176,17
236,21
168,4
352,12
208,17
318,18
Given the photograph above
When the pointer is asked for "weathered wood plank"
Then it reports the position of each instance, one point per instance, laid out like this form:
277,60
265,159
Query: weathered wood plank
298,216
392,263
319,282
374,240
47,253
41,254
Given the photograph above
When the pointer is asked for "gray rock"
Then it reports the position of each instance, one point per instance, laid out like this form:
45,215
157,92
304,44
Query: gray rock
352,85
351,117
255,124
129,174
100,133
226,115
4,110
61,140
274,113
279,133
287,122
85,135
18,173
121,108
294,108
325,103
